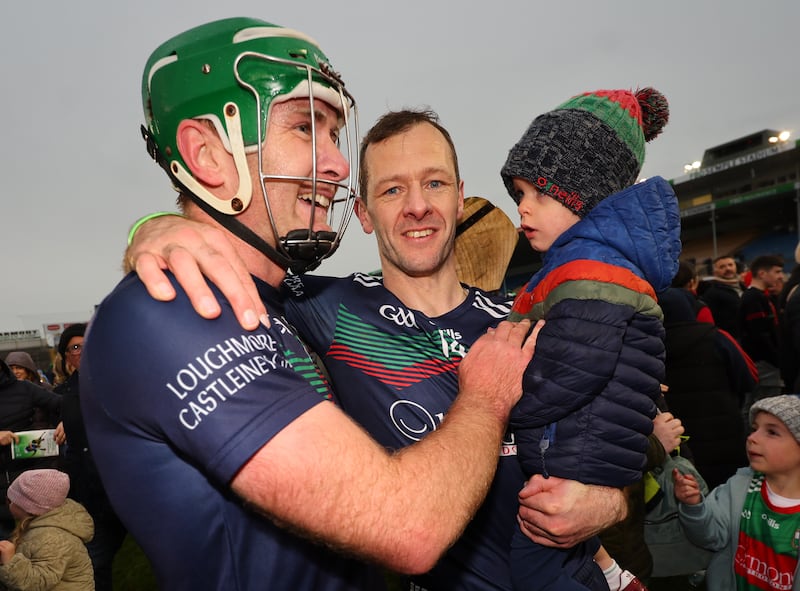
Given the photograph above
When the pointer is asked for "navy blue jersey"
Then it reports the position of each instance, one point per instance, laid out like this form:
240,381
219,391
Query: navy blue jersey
175,405
394,370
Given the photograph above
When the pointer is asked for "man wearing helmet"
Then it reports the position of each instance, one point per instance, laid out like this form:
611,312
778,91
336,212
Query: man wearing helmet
206,435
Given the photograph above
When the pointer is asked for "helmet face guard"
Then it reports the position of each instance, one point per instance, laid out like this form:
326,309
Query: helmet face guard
230,73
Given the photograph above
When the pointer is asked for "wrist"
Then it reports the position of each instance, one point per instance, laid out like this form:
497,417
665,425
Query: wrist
142,220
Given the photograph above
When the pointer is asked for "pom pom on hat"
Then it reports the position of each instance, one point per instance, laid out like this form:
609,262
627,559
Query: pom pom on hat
655,112
38,491
785,407
589,147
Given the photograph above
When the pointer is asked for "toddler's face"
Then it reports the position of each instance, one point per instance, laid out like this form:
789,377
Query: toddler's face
542,218
771,447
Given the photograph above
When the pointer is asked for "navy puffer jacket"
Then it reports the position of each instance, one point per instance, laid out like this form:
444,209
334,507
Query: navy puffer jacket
590,390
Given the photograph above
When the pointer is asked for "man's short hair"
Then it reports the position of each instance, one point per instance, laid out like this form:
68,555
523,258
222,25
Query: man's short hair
722,257
394,123
686,272
765,263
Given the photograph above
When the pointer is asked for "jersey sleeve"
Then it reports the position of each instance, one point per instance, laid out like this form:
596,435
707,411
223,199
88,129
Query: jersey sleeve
209,389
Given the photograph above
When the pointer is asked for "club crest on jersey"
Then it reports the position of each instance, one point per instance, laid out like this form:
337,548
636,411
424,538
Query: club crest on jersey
400,316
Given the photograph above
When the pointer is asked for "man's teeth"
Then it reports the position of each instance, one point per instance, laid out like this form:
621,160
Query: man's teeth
419,233
320,200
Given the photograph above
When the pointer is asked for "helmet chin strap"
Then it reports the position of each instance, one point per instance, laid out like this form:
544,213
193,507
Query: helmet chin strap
304,248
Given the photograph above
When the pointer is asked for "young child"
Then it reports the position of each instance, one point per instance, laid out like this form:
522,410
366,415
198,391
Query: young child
752,521
610,245
47,549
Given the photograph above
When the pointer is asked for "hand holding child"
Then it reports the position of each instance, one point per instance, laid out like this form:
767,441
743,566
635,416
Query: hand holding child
687,490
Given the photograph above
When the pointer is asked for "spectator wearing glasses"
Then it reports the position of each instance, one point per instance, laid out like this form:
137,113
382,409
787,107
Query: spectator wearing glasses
86,487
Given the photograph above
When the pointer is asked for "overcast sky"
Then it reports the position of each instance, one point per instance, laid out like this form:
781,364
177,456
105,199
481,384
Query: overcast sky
75,171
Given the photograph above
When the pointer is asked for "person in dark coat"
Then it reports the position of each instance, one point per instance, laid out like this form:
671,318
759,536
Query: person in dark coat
789,311
707,374
686,278
760,327
19,400
723,294
86,488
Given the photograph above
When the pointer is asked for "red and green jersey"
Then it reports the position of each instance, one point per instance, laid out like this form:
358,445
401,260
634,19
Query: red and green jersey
766,556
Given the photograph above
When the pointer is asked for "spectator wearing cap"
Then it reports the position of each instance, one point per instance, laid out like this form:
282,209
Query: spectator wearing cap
752,521
609,245
47,548
87,488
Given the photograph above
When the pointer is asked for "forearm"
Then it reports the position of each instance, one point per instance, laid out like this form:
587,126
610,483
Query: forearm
324,476
453,490
402,510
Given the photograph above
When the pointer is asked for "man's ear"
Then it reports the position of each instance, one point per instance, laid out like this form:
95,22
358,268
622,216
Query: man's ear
203,153
363,216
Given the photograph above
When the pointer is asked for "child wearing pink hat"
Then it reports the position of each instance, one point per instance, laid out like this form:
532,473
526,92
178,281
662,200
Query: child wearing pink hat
47,548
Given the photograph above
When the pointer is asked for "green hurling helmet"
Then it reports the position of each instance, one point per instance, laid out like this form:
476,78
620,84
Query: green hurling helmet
230,72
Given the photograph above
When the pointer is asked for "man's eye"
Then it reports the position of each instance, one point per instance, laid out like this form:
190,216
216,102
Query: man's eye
436,184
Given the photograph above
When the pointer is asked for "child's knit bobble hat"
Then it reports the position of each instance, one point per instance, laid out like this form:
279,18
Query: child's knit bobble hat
785,407
589,147
38,491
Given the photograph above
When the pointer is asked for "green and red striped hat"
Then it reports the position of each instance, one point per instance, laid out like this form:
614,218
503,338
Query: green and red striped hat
588,147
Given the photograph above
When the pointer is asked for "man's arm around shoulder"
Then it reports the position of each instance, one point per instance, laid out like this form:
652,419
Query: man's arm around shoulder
324,476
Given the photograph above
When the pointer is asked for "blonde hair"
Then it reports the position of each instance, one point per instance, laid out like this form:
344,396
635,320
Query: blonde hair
20,529
58,370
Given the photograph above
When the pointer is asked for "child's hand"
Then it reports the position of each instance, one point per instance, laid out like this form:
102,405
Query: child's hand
7,551
687,491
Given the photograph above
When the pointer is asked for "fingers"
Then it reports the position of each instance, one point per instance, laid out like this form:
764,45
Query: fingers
192,250
187,272
150,271
221,263
537,484
247,303
530,343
